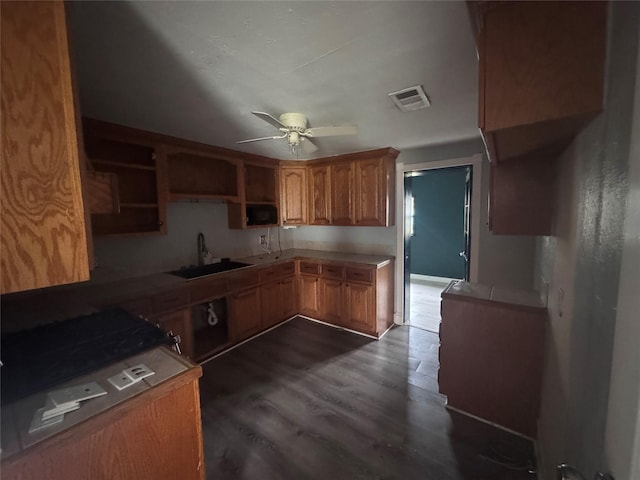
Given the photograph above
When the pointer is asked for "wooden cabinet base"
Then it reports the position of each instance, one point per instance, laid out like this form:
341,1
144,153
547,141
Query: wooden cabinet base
155,436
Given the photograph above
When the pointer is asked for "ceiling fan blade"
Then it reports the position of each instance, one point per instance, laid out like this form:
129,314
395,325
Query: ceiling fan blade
307,145
269,119
262,138
331,131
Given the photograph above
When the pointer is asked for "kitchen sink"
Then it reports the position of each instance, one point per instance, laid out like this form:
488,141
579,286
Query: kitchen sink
204,270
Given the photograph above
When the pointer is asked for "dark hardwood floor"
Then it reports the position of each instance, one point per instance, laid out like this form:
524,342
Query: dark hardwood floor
307,401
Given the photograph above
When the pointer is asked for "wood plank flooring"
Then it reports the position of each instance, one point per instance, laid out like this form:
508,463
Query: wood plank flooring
424,308
307,401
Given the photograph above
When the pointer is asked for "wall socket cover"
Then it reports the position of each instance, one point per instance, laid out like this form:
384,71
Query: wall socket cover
138,372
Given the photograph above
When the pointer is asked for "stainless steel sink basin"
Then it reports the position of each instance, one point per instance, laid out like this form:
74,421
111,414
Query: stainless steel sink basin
204,270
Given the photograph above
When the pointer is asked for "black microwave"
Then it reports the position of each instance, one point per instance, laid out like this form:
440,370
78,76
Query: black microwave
262,215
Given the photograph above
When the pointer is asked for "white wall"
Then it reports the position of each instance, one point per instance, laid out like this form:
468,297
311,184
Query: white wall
582,263
367,240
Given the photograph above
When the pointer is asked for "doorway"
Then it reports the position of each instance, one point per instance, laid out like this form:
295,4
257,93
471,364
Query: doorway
437,238
440,233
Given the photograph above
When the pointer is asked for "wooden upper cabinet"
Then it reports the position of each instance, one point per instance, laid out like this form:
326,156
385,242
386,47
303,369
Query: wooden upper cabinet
43,238
342,193
198,175
541,73
371,195
139,166
293,194
319,195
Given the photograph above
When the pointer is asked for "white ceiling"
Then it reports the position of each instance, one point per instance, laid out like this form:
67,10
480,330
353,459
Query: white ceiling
196,70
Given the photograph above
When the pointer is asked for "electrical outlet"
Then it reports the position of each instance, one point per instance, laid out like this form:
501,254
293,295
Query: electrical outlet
138,372
262,240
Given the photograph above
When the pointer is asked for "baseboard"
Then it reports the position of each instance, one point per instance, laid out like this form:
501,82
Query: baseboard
343,328
432,279
398,318
483,420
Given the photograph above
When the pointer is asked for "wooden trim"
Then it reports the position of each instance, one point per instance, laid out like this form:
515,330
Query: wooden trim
142,137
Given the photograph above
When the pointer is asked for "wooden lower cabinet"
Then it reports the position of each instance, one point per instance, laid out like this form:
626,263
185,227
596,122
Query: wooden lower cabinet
332,301
178,324
309,287
244,314
491,357
278,301
360,311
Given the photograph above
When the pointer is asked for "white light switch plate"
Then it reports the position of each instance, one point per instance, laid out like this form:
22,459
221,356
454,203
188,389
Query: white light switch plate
138,372
77,393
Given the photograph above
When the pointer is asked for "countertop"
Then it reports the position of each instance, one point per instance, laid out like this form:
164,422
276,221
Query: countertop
16,417
523,299
25,309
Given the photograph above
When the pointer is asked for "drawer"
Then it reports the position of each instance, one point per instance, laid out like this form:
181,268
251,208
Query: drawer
363,275
332,271
200,291
309,268
241,280
288,268
269,273
277,271
169,300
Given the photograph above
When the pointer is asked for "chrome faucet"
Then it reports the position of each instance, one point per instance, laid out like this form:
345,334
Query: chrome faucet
203,251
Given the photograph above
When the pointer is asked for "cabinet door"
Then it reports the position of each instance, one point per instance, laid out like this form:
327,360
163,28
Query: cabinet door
332,301
271,304
244,314
294,194
360,307
310,296
319,196
43,240
342,194
370,193
179,324
288,294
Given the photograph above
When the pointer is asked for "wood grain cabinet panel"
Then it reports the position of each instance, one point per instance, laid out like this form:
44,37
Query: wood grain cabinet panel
360,307
43,236
309,287
332,300
370,192
244,314
541,73
491,357
342,193
319,195
293,191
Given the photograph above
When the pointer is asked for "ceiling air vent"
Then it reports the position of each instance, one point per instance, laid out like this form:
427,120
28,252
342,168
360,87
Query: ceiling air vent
409,99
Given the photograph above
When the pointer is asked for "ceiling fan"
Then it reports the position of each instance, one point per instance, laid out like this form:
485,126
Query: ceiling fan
294,128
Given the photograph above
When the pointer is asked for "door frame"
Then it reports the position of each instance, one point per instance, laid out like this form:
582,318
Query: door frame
475,161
